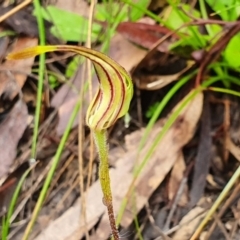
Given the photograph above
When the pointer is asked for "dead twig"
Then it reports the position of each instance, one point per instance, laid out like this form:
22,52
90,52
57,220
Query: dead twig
14,10
221,226
224,208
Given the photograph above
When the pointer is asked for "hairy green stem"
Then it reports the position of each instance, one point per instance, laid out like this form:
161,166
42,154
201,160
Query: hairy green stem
100,138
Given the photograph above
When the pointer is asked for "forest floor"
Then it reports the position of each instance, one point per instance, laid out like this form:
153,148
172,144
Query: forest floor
170,157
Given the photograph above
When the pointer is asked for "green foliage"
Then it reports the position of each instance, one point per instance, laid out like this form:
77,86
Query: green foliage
152,110
175,17
136,13
111,11
190,37
7,33
53,82
228,10
72,27
69,26
232,52
73,65
42,41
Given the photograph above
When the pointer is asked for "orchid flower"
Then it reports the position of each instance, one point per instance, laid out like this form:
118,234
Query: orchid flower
111,102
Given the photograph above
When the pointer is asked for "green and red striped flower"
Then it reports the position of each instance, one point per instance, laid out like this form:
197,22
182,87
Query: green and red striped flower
115,85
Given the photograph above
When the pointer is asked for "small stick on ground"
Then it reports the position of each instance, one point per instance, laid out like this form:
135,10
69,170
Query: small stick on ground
14,10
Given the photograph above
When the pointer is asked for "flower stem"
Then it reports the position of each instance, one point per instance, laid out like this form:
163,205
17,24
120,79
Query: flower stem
100,138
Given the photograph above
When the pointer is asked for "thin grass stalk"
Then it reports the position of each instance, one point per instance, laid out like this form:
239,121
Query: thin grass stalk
7,220
41,30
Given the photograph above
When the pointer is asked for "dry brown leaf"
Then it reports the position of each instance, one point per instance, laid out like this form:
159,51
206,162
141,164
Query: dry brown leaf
155,82
124,52
65,100
176,178
146,35
14,79
11,129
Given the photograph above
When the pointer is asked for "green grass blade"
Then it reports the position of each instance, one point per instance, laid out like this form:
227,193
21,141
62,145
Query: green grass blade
224,90
41,28
145,11
205,16
6,220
